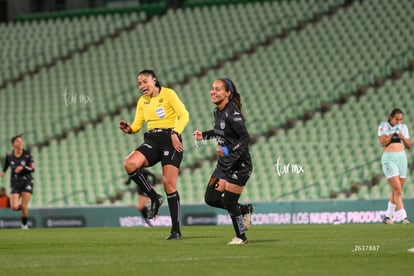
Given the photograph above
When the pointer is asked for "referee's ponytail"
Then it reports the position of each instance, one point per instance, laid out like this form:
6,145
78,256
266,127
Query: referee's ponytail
149,72
235,95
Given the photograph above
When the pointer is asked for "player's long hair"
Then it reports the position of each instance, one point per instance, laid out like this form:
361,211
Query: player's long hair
150,72
235,95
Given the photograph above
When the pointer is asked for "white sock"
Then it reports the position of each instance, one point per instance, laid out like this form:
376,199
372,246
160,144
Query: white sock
390,210
402,214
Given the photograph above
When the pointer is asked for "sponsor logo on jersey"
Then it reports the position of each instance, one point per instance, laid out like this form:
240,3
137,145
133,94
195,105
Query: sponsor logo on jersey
234,175
166,153
222,124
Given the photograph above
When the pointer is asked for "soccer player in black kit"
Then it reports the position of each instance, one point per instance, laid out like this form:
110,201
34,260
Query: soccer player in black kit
22,166
234,164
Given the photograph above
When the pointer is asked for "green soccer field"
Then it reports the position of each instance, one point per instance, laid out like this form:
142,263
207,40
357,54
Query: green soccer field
370,249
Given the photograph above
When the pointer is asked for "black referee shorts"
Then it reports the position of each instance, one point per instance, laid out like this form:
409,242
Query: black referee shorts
158,147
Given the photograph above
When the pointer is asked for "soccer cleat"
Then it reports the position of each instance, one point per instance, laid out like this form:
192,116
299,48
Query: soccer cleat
387,220
174,236
148,222
155,205
406,221
25,227
237,240
247,217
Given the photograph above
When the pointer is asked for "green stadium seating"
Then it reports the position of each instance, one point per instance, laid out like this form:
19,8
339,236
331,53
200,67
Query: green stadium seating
278,82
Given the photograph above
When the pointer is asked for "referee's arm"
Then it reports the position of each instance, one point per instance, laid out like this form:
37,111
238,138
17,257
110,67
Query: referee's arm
183,116
139,117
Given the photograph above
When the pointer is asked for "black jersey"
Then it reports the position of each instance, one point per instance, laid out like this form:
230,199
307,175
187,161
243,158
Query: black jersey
26,160
230,131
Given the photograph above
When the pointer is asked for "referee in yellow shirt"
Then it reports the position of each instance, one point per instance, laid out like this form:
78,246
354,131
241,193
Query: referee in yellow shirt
166,118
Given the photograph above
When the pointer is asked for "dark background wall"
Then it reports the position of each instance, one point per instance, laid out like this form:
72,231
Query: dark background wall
10,9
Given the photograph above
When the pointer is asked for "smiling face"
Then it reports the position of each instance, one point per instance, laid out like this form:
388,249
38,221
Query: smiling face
146,83
396,119
219,95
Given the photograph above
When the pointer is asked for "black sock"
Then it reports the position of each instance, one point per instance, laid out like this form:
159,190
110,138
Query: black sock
244,209
144,212
231,202
24,220
238,226
175,211
143,183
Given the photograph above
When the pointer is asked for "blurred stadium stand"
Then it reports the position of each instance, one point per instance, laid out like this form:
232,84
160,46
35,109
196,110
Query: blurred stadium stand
316,78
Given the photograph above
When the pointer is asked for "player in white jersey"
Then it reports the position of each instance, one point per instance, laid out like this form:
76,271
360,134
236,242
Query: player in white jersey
394,137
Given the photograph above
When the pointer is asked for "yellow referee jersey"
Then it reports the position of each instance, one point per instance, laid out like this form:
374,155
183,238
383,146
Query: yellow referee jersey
163,111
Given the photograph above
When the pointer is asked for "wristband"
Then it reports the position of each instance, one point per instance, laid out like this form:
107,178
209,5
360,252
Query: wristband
225,150
174,132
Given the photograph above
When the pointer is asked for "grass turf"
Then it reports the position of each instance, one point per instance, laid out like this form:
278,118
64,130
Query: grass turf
369,249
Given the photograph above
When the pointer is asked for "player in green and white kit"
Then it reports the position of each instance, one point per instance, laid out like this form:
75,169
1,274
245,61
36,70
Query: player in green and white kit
394,137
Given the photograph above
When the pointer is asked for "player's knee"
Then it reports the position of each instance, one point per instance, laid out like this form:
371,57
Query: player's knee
397,191
129,165
212,198
15,207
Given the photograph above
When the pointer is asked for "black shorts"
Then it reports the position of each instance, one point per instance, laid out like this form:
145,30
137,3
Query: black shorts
22,185
238,175
158,147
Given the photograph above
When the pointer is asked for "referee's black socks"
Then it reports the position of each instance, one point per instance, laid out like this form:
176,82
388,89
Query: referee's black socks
175,211
139,178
